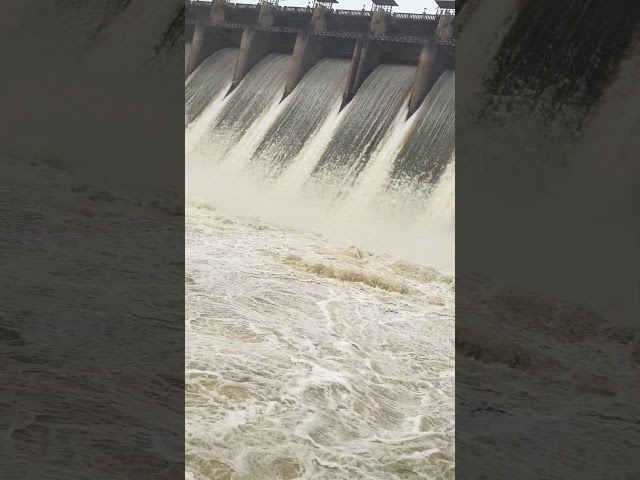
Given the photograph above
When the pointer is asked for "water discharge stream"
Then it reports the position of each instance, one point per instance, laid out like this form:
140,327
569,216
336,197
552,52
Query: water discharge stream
208,81
428,150
262,88
371,112
309,105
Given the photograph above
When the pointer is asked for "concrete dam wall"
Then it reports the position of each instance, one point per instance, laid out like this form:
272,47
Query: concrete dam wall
367,39
353,128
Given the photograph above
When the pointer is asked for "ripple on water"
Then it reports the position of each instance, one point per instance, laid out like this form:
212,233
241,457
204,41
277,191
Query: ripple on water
292,373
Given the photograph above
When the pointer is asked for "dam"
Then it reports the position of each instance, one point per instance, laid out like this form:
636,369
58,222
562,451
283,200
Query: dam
320,237
367,39
288,74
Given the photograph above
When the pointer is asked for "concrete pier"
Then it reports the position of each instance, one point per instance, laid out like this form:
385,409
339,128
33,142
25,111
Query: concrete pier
369,39
446,28
307,51
430,67
206,42
253,48
369,59
380,23
350,89
256,44
321,19
431,64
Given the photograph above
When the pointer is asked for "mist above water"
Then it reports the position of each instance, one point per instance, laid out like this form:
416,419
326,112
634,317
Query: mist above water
422,240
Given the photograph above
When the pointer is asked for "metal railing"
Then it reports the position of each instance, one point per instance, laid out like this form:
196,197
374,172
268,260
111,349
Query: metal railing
353,13
330,33
297,9
264,28
338,34
446,11
399,39
414,16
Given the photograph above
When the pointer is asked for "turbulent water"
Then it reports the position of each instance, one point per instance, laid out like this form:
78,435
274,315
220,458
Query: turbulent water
305,360
319,335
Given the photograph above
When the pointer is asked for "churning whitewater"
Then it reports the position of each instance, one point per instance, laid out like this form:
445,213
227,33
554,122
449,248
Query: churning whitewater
320,321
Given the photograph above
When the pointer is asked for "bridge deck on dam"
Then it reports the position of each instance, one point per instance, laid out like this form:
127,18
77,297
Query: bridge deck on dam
400,27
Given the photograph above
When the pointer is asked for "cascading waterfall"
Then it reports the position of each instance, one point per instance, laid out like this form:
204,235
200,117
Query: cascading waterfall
208,81
260,90
428,150
370,115
368,152
308,107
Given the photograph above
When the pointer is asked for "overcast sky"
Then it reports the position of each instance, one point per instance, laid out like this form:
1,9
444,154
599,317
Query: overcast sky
406,6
